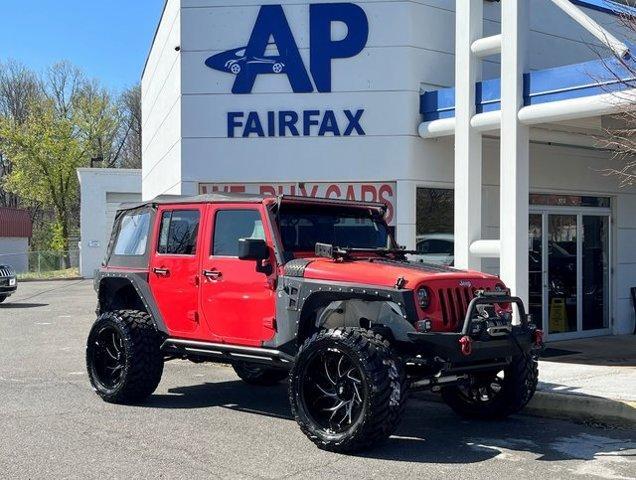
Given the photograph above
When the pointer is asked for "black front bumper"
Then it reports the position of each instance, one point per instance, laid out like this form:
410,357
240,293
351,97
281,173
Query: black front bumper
453,349
5,288
447,346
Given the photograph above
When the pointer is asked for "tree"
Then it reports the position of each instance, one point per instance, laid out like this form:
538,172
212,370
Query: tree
19,89
99,122
130,108
45,152
619,133
50,125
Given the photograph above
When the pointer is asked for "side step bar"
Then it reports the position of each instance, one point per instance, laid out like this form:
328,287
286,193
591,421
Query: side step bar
227,353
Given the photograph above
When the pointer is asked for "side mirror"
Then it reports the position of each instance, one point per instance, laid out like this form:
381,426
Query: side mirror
252,249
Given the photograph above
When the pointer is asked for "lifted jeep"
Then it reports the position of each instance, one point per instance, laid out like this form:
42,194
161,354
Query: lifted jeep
313,290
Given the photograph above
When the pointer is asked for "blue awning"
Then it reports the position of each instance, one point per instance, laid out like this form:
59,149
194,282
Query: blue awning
606,6
560,83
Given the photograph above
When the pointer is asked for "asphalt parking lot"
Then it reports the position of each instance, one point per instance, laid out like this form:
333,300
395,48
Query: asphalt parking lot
203,422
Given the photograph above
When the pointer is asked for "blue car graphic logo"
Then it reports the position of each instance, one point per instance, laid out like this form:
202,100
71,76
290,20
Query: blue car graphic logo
235,61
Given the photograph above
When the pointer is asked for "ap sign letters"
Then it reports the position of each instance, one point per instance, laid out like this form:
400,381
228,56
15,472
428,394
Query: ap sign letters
272,50
272,30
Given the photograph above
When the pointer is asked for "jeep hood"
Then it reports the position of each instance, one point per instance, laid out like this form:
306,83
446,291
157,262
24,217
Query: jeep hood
385,272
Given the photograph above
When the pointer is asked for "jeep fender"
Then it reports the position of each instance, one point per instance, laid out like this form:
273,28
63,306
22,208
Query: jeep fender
304,305
127,290
363,313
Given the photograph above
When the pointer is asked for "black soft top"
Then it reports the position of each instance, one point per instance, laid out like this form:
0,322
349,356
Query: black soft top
254,198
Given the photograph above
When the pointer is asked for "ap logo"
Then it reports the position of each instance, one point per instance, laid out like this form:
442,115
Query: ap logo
272,30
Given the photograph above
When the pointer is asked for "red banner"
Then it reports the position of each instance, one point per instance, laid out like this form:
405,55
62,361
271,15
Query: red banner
368,192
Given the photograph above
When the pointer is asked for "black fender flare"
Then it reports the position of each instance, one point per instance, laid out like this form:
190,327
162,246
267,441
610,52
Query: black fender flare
139,281
299,298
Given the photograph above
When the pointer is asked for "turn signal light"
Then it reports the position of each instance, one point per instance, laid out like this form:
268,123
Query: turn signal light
538,337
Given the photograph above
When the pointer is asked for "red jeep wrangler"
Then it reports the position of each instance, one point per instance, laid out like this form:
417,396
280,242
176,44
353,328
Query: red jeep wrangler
313,290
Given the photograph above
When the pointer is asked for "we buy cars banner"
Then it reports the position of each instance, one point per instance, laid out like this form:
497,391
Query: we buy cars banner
368,192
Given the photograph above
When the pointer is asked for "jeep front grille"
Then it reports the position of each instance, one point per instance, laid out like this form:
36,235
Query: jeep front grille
454,303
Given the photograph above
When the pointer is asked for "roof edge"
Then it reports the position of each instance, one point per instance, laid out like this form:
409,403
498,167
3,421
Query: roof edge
154,38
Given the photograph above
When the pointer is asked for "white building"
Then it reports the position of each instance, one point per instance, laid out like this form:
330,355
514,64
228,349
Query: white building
349,99
102,191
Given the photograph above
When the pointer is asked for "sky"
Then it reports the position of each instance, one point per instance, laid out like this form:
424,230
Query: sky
108,39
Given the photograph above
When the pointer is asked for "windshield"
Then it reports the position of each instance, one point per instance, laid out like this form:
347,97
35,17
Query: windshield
301,227
434,246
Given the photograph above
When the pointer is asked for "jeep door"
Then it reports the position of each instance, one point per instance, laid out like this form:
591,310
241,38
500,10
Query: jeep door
237,297
174,267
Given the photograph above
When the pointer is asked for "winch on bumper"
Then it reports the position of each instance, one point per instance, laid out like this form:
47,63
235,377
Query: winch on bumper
485,336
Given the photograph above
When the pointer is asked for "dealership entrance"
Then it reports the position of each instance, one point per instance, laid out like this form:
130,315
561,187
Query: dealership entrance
568,257
569,265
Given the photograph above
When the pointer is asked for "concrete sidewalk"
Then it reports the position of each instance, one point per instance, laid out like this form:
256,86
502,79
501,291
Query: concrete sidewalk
594,380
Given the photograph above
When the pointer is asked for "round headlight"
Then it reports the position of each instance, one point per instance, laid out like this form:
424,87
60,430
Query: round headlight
500,288
424,298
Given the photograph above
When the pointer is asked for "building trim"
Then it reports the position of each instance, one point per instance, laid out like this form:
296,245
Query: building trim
585,79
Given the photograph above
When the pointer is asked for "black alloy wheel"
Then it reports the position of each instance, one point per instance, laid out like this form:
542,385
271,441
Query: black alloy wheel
482,389
495,395
347,389
333,389
109,357
255,374
123,356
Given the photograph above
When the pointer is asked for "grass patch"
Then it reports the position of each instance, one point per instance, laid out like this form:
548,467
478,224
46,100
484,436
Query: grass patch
50,275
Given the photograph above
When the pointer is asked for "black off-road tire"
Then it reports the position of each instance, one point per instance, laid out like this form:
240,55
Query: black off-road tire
385,393
518,386
142,360
3,298
255,374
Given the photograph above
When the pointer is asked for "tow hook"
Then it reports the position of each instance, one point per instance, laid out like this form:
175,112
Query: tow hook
466,344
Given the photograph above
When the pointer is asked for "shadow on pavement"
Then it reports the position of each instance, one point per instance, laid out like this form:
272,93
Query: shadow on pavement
427,434
9,306
610,351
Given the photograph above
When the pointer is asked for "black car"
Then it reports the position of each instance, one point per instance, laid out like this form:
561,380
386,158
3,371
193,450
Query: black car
8,282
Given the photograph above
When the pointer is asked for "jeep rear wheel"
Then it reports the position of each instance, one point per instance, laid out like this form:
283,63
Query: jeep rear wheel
347,390
258,375
123,356
495,395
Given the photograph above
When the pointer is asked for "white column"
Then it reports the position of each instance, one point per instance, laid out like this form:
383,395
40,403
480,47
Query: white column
514,150
468,28
405,213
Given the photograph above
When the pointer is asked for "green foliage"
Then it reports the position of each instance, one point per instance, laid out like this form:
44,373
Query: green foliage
58,242
50,125
45,152
42,238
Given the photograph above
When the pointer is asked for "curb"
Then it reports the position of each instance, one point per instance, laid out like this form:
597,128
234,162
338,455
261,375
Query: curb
582,408
33,280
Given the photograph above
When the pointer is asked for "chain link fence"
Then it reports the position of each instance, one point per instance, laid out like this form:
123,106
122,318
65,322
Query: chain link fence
43,264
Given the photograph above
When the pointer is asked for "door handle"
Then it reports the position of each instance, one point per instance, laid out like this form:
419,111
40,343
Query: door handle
212,274
162,272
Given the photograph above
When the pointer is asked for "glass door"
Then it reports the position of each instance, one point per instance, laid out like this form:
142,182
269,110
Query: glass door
595,268
562,285
536,268
569,271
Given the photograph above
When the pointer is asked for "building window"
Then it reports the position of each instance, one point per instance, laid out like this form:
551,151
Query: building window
231,226
435,225
569,200
178,234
